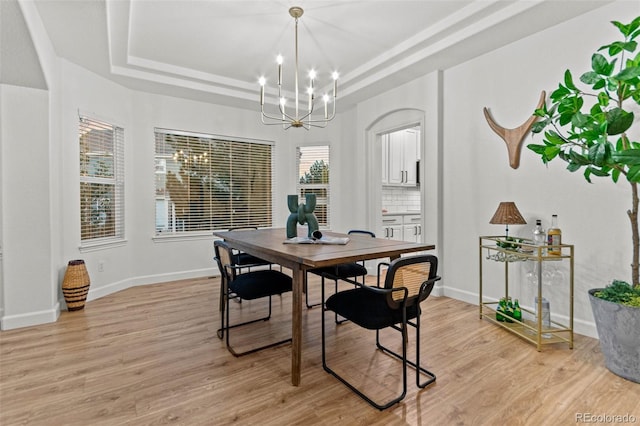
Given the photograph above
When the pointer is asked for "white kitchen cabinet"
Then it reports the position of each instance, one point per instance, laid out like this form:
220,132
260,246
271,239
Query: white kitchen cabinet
412,229
402,227
392,227
401,152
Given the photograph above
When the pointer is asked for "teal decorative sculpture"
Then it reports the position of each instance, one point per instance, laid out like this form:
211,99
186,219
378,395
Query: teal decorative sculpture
301,213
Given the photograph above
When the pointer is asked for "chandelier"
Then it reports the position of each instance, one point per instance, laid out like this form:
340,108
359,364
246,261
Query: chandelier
294,117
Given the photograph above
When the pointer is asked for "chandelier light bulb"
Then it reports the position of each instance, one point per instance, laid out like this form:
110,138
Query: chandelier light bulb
262,81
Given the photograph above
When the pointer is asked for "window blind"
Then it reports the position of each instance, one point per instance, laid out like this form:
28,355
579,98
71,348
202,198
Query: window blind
206,183
313,178
101,180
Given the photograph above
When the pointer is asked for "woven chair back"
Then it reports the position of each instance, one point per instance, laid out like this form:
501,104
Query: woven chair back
223,253
410,273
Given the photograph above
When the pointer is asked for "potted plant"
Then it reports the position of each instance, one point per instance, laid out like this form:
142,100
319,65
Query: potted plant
589,130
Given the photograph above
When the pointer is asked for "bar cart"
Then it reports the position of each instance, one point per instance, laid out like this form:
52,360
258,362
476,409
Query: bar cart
499,249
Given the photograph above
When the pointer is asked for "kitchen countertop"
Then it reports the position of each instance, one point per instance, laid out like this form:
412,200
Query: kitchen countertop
401,213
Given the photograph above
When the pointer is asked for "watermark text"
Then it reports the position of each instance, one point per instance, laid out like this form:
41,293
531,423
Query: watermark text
605,418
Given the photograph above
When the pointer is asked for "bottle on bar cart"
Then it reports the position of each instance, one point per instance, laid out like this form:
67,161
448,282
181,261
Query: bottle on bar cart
554,237
539,234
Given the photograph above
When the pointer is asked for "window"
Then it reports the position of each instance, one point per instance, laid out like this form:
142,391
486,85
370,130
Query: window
101,181
205,183
313,178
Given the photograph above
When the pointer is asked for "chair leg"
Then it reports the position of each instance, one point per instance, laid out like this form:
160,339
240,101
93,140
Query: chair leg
415,365
306,293
223,304
228,327
338,321
418,368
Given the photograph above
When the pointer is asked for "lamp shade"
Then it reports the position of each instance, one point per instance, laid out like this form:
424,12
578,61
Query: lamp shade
507,214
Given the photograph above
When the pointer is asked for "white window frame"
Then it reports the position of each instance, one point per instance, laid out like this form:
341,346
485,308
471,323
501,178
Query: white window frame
171,144
315,153
110,139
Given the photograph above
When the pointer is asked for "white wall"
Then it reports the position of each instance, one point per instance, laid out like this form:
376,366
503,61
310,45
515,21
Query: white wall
27,258
30,202
477,173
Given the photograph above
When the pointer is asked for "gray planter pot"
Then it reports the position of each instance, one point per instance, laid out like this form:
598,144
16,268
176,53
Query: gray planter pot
619,333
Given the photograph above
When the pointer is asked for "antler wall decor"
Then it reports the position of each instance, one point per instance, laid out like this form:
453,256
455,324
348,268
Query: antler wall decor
514,137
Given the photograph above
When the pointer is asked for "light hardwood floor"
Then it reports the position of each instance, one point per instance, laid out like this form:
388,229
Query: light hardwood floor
150,355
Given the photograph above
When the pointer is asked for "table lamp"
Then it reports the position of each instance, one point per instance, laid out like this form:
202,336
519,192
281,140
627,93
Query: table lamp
507,214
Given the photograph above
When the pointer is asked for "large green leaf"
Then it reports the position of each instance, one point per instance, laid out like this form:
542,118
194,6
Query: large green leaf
590,77
538,149
598,172
630,157
589,136
559,93
573,167
615,174
579,120
628,74
618,46
554,138
600,65
568,80
603,99
633,175
551,152
618,121
600,154
579,158
600,84
539,126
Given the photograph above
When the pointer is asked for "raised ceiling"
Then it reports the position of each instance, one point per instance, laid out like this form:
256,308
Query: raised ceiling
216,50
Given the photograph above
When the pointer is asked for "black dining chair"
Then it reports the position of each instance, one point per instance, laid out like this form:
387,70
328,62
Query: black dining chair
246,260
243,261
349,272
396,305
254,284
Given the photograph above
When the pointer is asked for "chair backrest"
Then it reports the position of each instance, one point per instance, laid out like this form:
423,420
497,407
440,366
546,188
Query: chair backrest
224,259
411,273
360,231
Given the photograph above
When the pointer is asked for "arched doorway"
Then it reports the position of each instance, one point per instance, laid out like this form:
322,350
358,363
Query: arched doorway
375,136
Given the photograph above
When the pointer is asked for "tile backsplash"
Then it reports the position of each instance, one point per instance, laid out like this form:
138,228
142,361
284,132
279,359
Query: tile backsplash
400,199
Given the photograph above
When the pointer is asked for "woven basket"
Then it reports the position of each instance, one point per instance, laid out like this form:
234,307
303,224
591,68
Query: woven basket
75,285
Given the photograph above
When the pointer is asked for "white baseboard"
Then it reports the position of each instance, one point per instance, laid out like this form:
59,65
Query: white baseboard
9,322
102,291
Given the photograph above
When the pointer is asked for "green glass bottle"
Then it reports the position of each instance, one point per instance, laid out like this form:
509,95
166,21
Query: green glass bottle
502,306
517,311
509,311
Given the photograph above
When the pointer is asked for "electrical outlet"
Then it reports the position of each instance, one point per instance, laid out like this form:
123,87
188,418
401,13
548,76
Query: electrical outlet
101,266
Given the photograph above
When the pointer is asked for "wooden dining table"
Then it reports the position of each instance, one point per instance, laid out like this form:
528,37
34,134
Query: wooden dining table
268,244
